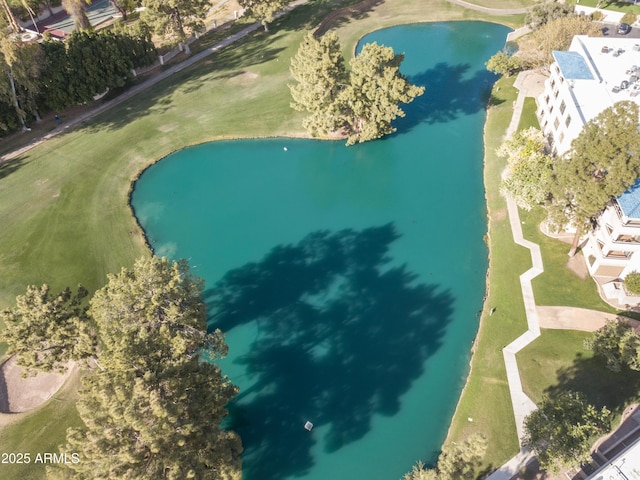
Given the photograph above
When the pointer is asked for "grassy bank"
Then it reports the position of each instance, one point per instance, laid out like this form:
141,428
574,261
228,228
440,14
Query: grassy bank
486,396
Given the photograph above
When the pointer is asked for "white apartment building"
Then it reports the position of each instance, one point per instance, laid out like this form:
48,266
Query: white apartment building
592,75
612,249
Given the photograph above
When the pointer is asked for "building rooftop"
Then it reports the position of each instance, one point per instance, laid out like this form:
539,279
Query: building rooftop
625,466
610,61
629,202
572,65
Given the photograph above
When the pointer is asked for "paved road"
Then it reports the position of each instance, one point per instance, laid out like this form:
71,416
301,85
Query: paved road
493,11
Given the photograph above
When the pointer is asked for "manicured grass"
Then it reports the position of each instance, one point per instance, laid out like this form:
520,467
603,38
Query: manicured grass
614,6
528,118
559,285
486,396
558,361
42,431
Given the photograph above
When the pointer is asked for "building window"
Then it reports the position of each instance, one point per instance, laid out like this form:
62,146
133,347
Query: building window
553,84
558,70
546,99
567,122
555,93
563,106
556,124
561,137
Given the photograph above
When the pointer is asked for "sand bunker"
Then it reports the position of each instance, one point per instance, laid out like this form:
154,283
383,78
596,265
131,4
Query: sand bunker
19,394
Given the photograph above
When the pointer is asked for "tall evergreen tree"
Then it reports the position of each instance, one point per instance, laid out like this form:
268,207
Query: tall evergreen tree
320,72
603,163
154,408
47,330
263,10
359,105
173,19
376,87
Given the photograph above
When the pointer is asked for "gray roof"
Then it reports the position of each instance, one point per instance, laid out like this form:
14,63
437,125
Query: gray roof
572,65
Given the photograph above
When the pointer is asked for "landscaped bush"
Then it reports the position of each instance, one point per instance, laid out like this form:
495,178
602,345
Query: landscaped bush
632,283
629,18
597,16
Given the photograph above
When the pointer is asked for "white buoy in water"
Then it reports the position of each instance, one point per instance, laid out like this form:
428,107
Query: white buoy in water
308,426
285,149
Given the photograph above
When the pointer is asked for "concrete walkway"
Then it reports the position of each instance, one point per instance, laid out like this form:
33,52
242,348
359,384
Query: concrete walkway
521,403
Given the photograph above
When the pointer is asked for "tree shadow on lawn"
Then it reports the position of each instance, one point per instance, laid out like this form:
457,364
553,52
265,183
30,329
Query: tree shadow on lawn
7,167
342,333
345,15
601,386
449,93
225,64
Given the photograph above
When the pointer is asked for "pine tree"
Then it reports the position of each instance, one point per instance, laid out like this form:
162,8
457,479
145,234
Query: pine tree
154,408
263,10
603,163
375,89
319,69
47,330
359,105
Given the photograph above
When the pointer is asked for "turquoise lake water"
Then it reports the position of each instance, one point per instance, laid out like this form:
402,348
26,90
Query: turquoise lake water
347,279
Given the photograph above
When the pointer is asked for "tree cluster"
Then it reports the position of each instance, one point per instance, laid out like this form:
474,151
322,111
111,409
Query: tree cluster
456,462
535,50
529,168
504,63
153,406
619,344
263,10
554,26
603,162
563,429
52,75
542,13
358,104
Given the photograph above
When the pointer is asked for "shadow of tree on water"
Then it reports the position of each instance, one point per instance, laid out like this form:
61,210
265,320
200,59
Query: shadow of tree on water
342,335
448,95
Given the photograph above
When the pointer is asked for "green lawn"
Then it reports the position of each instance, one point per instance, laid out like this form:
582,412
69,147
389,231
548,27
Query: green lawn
558,285
42,431
486,396
558,361
528,118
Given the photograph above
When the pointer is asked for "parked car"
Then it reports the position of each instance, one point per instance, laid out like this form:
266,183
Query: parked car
624,28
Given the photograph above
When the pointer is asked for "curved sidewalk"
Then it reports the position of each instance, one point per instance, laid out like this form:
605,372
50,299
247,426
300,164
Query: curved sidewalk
522,404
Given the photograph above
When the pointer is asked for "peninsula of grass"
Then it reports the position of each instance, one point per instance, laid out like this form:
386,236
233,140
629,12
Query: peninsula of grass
64,205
